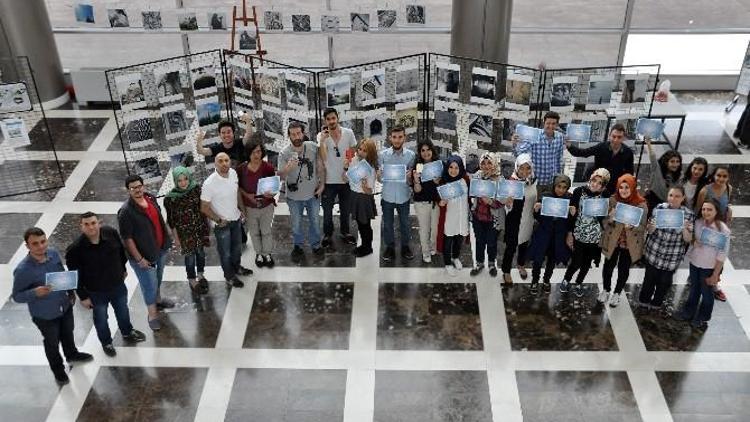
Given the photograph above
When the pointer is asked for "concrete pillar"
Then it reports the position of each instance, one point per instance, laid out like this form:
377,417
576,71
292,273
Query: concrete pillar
26,27
481,29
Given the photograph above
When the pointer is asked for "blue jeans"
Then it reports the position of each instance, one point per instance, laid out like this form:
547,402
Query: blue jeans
195,259
388,231
119,300
296,210
699,290
229,246
150,278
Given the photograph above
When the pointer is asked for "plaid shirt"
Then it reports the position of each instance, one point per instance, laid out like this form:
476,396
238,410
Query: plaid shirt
665,248
546,154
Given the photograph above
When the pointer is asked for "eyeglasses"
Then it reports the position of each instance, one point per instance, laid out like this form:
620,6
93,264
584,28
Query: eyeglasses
135,187
338,154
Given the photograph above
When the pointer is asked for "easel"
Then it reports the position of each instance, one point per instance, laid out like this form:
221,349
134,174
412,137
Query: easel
245,19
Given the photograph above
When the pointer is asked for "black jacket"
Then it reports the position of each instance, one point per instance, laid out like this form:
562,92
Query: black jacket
743,126
135,224
101,267
617,164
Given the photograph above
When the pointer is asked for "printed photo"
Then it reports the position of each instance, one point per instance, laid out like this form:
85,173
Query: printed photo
180,156
272,122
375,126
204,78
360,22
217,21
329,23
151,20
600,92
448,79
483,85
168,84
296,92
634,89
387,19
84,13
14,98
407,115
518,92
338,92
415,14
148,169
270,86
175,121
373,87
208,111
118,18
187,21
247,40
408,81
130,89
445,118
242,79
273,21
480,127
561,94
301,23
138,133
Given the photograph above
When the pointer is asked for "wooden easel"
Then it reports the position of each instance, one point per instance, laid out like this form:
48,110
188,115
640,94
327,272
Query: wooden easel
245,19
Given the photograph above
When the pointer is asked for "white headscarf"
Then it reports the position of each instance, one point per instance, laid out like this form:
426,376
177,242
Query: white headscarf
521,160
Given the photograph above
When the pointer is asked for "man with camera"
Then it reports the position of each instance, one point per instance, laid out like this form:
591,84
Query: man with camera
301,166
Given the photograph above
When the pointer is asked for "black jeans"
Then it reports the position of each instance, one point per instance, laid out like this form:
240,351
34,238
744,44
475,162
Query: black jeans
55,332
656,284
549,267
620,258
583,255
330,193
451,248
510,250
486,239
118,298
365,232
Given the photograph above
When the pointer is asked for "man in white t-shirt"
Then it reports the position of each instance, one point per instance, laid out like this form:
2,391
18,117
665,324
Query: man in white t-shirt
219,202
336,145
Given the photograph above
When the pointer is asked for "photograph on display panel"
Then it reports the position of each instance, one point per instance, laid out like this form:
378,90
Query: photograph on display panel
408,81
407,116
130,91
84,13
208,112
203,76
360,22
272,122
270,85
14,97
345,120
518,91
415,14
375,124
137,130
561,94
187,21
634,89
448,79
600,92
217,21
387,19
483,85
242,77
480,125
118,18
338,92
148,169
329,23
301,23
181,155
445,118
373,86
151,20
243,105
273,21
175,121
168,84
296,91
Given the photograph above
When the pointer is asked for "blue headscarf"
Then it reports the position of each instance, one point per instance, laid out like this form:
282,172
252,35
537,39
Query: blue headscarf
461,170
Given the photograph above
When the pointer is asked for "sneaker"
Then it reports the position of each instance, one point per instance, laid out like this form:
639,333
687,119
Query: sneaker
476,270
319,251
451,270
109,350
578,290
259,261
457,263
154,324
547,287
614,300
61,377
361,251
427,259
564,286
135,336
244,271
534,289
493,271
164,304
719,295
269,261
603,296
349,239
235,282
81,357
389,254
406,253
326,242
524,274
297,254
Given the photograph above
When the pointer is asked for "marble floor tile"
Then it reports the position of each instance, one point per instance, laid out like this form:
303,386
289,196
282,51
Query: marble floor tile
706,396
702,137
739,246
341,255
28,393
17,329
427,396
106,183
428,317
551,321
68,134
195,321
144,394
68,229
576,396
33,180
300,316
661,332
287,395
414,245
12,226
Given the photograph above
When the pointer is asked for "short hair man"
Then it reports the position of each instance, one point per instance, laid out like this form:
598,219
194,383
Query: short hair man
396,195
51,311
336,145
99,257
546,151
228,145
614,155
220,203
147,241
301,167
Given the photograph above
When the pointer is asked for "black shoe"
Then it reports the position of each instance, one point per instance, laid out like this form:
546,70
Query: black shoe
61,377
349,239
164,304
476,270
360,251
493,271
80,357
297,254
319,251
406,253
244,271
259,261
109,350
547,287
326,242
135,336
389,254
534,287
197,288
269,261
203,282
235,282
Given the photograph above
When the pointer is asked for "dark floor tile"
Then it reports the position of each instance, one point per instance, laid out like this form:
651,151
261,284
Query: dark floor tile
739,246
428,317
340,255
68,229
300,316
140,394
739,178
416,248
33,180
576,395
661,332
12,226
432,396
68,134
28,393
702,137
17,329
195,321
107,182
552,321
706,396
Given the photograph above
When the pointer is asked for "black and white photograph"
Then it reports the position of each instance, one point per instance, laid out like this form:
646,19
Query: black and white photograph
518,91
203,76
151,20
14,97
15,134
175,120
208,112
296,91
181,155
273,21
415,14
217,21
598,123
387,19
338,92
242,77
600,92
272,122
301,23
480,125
118,18
561,96
447,80
346,120
375,124
247,40
137,131
244,105
634,89
329,23
373,86
483,85
360,22
270,85
445,118
407,115
187,21
148,169
130,90
168,84
408,81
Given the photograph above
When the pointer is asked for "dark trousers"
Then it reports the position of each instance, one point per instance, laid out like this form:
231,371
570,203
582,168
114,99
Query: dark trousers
451,248
699,291
486,240
331,191
365,233
229,246
583,255
195,260
656,284
620,258
56,332
510,250
118,298
549,267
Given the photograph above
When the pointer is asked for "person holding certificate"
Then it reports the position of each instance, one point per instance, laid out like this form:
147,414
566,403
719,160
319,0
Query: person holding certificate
426,200
585,231
666,246
548,241
519,219
362,202
259,208
664,177
707,255
546,151
396,195
622,244
456,209
487,218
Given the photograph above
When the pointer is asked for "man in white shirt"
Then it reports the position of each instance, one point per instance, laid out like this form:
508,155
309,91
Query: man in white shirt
219,202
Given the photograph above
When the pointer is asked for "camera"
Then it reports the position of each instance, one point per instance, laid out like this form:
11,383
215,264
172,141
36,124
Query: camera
292,187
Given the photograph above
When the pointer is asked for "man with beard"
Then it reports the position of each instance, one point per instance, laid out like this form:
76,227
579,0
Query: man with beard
396,195
234,148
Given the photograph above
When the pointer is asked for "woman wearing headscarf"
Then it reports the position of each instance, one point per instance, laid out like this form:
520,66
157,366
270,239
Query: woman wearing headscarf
487,218
519,220
456,221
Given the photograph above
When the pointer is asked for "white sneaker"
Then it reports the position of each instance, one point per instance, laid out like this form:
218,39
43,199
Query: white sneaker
603,296
451,270
614,300
457,263
426,259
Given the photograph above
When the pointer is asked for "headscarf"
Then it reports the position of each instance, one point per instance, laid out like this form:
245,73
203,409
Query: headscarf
461,170
495,172
176,192
561,178
604,174
522,159
635,197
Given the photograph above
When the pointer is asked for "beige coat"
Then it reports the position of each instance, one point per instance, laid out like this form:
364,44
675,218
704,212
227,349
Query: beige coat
635,237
